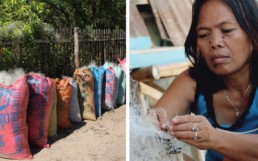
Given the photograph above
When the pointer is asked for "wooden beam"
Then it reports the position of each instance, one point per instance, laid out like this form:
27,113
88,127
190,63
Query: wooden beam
149,91
157,87
156,56
76,47
173,69
145,74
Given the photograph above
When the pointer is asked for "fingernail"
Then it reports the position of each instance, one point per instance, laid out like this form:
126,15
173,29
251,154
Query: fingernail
172,133
174,119
163,125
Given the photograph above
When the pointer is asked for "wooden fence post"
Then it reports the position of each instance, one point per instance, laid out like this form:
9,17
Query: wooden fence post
76,47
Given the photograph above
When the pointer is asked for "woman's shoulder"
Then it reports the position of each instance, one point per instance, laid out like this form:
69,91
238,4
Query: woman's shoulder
179,95
185,78
185,84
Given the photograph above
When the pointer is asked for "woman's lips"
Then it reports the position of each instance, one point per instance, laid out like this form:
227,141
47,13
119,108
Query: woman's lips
219,59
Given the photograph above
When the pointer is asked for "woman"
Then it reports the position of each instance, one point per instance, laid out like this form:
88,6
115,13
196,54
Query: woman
221,88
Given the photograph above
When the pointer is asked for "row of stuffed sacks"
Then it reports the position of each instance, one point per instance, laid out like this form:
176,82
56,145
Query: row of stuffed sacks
109,86
34,106
26,103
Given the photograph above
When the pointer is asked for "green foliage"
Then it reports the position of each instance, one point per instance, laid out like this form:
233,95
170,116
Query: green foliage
86,14
25,19
18,19
6,58
23,22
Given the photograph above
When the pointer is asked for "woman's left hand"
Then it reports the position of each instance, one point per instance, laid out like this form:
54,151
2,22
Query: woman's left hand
195,130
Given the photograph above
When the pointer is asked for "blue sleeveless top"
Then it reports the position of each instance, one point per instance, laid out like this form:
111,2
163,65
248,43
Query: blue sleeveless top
247,122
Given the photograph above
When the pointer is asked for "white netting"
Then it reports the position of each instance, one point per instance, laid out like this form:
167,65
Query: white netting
9,77
147,141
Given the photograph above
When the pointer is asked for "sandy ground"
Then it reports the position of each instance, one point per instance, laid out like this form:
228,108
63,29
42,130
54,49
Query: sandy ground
101,140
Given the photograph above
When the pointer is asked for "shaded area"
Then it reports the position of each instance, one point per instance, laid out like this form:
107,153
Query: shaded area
61,134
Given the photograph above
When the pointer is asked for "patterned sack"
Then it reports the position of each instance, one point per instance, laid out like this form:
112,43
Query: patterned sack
120,100
118,70
109,89
63,91
52,129
98,81
13,127
74,112
85,79
39,109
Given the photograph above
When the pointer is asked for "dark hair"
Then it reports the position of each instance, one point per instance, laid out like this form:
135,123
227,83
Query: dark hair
246,15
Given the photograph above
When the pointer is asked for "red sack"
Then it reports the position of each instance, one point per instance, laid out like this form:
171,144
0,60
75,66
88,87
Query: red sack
39,109
13,126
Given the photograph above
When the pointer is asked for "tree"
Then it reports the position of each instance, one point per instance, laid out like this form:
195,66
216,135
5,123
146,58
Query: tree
19,19
86,14
26,19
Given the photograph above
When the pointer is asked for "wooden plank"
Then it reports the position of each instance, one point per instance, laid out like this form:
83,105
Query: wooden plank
145,74
162,31
139,35
156,56
76,48
140,2
140,43
149,91
176,18
137,25
156,86
173,69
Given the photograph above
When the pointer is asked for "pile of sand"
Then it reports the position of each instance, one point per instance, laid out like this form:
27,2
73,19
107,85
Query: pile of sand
101,140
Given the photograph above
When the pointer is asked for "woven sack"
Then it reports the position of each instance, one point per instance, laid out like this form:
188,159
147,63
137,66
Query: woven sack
63,90
74,112
52,128
39,109
85,79
109,89
13,112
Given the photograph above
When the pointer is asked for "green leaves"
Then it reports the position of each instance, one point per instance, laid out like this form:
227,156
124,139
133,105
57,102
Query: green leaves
26,26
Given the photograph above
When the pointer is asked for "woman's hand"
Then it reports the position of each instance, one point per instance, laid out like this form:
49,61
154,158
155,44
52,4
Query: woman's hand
195,130
162,118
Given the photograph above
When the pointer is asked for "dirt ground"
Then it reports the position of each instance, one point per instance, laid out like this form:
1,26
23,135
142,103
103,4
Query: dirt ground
101,140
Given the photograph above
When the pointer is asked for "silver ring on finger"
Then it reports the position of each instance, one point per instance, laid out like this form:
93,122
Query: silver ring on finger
195,128
195,136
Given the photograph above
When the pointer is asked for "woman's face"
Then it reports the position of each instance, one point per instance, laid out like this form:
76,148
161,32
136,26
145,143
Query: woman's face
225,47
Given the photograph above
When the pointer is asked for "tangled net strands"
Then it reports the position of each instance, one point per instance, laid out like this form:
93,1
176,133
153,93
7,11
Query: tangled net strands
147,141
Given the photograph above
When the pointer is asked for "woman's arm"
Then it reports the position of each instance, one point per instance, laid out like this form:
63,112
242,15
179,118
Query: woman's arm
179,95
237,147
177,98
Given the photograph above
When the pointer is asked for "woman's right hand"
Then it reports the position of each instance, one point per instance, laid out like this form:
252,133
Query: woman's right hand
162,118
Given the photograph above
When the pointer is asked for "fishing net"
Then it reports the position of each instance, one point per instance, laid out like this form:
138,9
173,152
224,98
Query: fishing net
147,141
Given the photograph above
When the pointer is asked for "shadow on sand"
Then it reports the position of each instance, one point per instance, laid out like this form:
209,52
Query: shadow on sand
60,135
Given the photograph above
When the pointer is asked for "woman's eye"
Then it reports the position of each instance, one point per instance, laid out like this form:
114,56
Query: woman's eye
227,30
203,35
